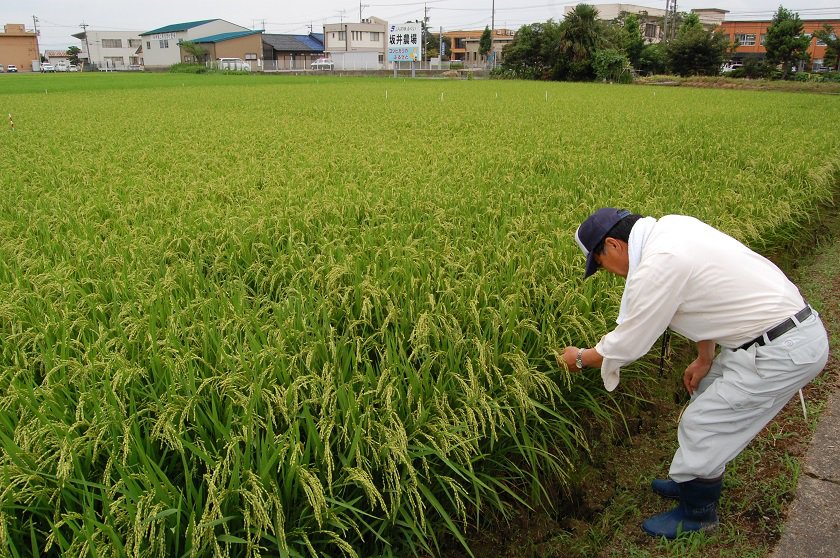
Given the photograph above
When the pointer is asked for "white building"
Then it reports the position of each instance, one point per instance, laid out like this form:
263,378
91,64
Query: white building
111,49
160,46
356,46
651,19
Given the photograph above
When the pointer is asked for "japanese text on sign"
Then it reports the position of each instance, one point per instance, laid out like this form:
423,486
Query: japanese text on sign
404,42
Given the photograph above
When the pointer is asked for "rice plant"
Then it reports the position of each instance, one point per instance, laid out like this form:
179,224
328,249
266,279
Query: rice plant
303,317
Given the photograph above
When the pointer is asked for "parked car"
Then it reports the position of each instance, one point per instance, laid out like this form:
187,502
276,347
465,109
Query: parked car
2,69
45,67
72,68
233,64
322,64
12,69
730,68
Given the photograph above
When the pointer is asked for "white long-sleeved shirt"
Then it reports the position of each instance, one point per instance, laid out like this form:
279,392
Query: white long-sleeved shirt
703,284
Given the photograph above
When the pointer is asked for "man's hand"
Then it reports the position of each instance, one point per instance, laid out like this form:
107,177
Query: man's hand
569,358
698,369
695,372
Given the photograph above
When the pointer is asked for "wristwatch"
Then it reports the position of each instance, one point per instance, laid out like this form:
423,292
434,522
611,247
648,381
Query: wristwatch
579,359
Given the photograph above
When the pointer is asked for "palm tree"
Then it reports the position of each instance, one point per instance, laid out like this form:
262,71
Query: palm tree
581,34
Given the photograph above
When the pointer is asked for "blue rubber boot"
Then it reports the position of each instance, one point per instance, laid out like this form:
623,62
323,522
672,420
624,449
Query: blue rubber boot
666,488
697,510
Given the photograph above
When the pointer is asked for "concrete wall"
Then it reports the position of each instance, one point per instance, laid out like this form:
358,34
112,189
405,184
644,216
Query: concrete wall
357,61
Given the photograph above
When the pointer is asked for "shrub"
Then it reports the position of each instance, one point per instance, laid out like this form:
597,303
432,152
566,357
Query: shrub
612,65
186,68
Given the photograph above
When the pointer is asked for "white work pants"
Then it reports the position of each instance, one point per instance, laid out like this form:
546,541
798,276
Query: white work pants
743,390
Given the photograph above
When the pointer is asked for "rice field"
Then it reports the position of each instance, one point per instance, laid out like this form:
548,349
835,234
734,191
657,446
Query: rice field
264,316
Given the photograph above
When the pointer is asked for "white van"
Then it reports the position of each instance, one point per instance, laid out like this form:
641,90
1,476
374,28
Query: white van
234,64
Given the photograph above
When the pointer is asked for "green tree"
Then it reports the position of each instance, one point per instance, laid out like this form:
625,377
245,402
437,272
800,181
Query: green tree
485,43
432,46
832,52
785,44
195,51
632,41
73,53
695,50
653,59
612,65
581,35
531,54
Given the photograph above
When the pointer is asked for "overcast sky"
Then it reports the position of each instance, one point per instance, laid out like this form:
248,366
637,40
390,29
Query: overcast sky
59,19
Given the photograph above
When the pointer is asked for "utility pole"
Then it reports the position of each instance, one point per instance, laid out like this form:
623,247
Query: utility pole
665,21
423,33
360,10
493,33
674,20
37,44
84,27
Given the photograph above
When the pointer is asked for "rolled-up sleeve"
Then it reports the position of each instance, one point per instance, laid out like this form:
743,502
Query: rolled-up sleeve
652,296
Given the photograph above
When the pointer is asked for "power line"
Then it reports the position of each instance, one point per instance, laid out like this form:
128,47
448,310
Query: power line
535,6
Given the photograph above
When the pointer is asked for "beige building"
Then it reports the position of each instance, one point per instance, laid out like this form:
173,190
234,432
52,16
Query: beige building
464,46
18,47
651,19
246,45
56,56
356,46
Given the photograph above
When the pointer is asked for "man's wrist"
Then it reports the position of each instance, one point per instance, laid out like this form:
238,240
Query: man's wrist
579,359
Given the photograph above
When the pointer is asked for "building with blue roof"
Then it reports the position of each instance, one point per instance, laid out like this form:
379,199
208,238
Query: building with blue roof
161,46
291,52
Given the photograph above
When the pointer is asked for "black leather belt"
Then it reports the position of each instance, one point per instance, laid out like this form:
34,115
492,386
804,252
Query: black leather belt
779,330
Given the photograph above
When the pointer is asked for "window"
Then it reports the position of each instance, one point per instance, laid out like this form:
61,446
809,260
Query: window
134,60
374,36
114,61
111,43
134,43
381,58
250,56
341,35
357,35
459,43
763,39
745,39
164,44
650,30
148,44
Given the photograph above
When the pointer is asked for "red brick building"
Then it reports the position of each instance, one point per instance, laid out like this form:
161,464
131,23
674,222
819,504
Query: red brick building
751,34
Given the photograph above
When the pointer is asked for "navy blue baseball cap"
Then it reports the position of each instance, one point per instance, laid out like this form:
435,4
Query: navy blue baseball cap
591,232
